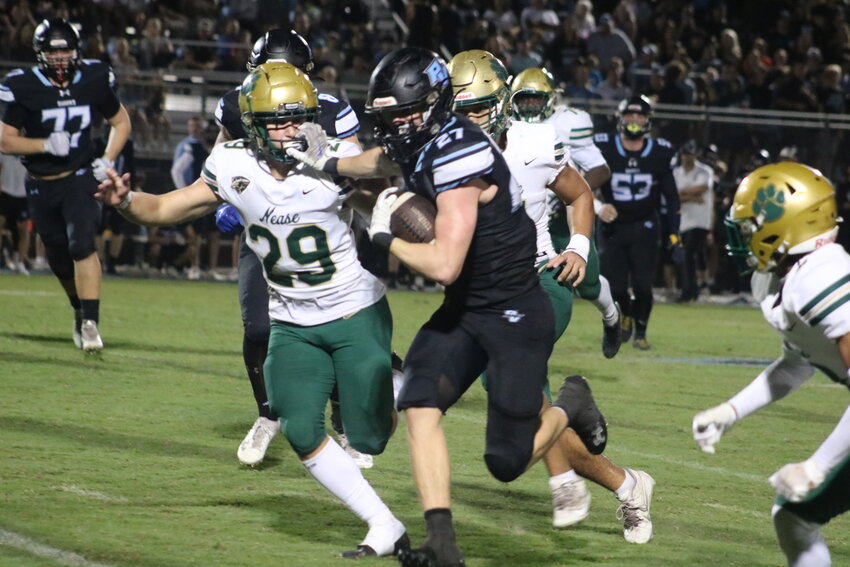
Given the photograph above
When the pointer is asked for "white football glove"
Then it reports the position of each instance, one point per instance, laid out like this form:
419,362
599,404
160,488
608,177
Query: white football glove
58,144
315,156
99,167
710,425
381,213
796,480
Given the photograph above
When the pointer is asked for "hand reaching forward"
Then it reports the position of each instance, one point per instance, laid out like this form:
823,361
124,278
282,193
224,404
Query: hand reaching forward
114,190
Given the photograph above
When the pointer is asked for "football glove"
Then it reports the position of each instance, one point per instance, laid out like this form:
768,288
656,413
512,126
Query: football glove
315,154
99,167
794,481
228,220
677,251
709,425
379,227
58,144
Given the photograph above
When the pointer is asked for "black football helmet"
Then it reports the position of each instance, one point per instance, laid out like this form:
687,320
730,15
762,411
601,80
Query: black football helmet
57,35
281,45
406,81
638,104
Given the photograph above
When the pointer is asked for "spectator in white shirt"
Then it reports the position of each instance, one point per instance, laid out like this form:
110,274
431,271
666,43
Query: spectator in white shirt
695,182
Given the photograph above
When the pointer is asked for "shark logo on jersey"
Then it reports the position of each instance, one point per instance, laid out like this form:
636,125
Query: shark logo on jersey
512,315
239,183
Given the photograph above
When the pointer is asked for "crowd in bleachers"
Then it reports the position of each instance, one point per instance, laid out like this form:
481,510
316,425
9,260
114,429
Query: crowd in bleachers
760,54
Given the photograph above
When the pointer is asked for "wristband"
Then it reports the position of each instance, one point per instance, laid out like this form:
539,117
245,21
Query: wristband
383,240
331,166
597,205
125,202
579,244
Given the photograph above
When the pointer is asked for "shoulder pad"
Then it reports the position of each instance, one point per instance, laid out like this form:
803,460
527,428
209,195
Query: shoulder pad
601,137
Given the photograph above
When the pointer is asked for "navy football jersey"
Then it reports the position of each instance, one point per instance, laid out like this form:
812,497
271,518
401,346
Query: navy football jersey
38,108
500,262
639,179
336,117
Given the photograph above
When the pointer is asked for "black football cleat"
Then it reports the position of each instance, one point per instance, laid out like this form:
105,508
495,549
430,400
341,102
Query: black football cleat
363,551
576,399
611,337
426,557
627,326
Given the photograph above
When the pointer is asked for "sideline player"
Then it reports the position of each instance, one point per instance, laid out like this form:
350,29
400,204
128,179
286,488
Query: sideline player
331,324
783,222
48,119
540,164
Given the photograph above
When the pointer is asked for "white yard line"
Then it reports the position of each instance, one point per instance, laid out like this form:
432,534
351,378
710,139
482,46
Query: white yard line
60,556
27,292
763,515
94,494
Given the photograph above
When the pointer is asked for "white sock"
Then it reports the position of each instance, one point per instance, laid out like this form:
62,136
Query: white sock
625,489
341,476
605,302
559,479
800,540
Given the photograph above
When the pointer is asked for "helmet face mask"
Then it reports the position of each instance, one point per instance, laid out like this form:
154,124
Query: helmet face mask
283,46
480,85
411,98
533,95
276,94
634,117
57,49
779,211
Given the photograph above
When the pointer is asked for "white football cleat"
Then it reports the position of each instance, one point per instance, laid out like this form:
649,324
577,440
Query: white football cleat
634,510
382,539
570,502
362,460
252,449
90,337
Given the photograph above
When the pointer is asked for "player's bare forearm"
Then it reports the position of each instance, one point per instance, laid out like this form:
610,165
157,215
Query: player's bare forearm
597,176
13,143
118,134
574,190
371,163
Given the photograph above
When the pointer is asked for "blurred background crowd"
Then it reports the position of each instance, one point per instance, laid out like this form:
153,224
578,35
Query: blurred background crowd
747,82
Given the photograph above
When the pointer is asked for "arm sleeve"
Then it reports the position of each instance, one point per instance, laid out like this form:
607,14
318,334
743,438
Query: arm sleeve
779,379
667,187
836,447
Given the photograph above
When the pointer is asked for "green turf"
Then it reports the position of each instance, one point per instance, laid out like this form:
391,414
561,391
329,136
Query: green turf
129,458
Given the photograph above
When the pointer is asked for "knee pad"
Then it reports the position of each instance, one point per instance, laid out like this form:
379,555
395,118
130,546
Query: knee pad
59,260
510,443
369,444
800,540
303,432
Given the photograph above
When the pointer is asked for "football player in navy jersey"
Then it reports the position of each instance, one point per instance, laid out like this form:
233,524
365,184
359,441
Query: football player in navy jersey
337,118
495,315
50,111
641,173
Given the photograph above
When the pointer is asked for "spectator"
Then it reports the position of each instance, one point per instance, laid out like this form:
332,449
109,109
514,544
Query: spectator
695,183
566,48
729,90
579,90
608,41
14,214
613,88
730,47
641,68
585,23
502,17
201,53
537,18
524,57
155,50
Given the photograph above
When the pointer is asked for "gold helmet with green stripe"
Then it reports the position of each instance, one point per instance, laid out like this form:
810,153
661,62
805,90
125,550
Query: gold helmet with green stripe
533,95
780,210
480,82
275,92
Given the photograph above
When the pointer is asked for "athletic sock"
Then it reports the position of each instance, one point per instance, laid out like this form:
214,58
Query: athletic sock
625,489
605,303
91,309
254,355
340,475
75,302
559,479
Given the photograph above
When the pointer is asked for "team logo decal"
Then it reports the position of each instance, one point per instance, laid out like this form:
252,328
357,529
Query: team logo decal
239,183
769,203
512,315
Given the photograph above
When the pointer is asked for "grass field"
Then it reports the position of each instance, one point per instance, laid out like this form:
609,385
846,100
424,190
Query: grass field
129,458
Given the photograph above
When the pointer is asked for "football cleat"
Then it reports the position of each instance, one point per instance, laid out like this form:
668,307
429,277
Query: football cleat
576,399
634,510
429,555
90,340
570,502
382,540
641,343
76,334
611,336
362,460
252,449
627,325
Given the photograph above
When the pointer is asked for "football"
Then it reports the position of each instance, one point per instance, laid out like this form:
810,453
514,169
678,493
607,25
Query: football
412,218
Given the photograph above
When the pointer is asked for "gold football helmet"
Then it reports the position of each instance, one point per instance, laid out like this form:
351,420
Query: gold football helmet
780,209
533,95
275,92
479,79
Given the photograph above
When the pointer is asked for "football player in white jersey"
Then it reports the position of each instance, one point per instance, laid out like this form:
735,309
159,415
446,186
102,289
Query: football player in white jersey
533,101
783,221
331,323
541,165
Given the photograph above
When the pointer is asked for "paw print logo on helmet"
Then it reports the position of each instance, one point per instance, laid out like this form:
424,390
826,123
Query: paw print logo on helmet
769,203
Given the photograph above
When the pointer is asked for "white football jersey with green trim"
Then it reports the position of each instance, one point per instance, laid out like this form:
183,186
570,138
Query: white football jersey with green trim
298,227
574,127
810,309
535,157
